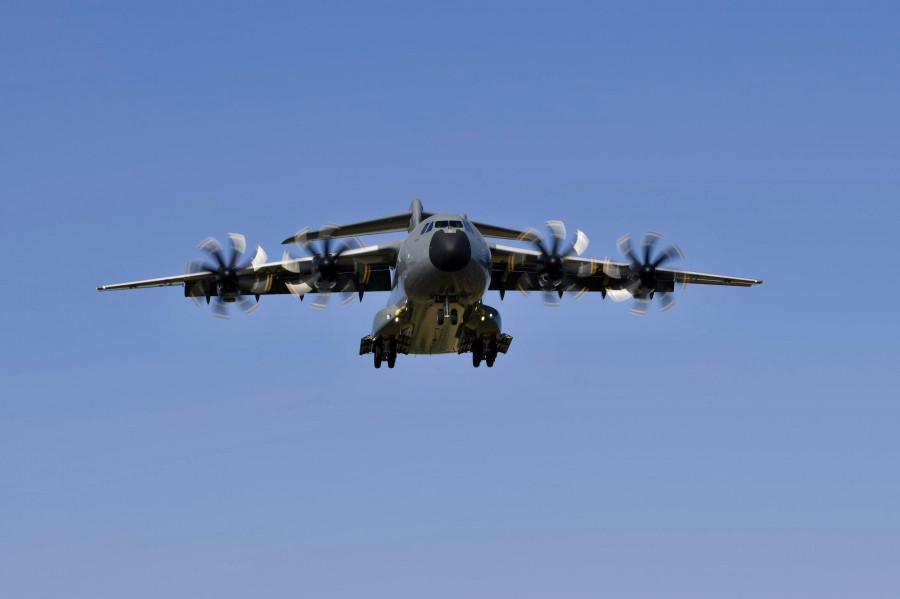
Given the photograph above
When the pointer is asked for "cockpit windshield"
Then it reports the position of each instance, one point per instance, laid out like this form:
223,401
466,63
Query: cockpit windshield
448,224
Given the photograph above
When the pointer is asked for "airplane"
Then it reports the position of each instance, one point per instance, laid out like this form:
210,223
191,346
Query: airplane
437,277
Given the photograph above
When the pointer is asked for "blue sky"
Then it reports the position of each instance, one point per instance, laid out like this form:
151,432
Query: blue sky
743,444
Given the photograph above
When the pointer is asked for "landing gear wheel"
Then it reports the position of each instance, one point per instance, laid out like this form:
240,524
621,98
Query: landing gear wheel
477,352
454,317
491,354
392,353
378,352
440,317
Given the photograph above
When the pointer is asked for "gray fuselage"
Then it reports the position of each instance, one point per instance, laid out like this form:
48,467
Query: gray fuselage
443,265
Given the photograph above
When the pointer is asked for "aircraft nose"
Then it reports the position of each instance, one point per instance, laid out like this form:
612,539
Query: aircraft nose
450,252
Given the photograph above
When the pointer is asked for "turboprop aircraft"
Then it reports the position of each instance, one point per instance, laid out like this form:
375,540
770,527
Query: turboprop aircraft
437,277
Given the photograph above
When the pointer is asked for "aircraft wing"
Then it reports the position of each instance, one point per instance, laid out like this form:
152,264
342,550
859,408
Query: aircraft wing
362,269
518,268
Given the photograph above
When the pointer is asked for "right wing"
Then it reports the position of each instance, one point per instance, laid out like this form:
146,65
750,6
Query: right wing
364,269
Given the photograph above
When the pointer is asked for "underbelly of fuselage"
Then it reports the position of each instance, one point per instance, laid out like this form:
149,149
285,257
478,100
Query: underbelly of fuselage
428,292
428,337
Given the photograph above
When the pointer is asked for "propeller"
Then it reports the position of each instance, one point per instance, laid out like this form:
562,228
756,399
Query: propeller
551,268
322,278
231,284
641,275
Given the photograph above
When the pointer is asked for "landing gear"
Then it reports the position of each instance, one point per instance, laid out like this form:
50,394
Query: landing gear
382,354
491,353
484,352
454,317
444,311
378,352
392,353
477,352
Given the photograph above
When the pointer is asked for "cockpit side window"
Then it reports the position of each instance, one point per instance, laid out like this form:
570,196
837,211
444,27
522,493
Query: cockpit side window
468,226
426,228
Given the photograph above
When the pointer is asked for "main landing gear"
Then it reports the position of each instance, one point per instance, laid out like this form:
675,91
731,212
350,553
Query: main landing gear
484,351
382,354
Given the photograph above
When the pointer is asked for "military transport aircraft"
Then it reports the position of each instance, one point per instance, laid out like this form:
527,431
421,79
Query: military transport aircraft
436,276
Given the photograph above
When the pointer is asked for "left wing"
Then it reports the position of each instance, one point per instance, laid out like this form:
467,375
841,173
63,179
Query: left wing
516,268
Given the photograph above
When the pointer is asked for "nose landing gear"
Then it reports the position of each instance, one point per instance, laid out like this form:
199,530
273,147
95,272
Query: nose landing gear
441,316
445,311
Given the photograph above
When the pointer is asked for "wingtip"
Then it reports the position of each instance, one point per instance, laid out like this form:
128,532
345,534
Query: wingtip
288,240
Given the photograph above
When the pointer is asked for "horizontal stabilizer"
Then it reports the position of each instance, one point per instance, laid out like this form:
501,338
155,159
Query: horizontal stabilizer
404,221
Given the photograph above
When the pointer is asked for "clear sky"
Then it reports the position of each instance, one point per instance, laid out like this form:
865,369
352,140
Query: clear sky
743,444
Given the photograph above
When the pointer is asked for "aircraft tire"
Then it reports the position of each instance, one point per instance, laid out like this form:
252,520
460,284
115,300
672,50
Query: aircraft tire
392,353
491,353
440,317
454,317
378,353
